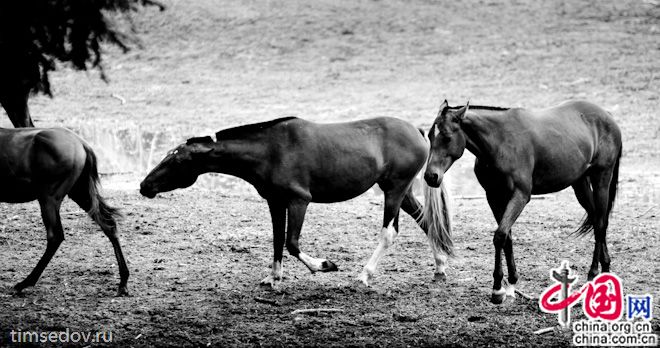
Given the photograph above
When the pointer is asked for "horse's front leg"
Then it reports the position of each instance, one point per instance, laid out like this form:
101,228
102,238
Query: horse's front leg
412,207
50,213
296,215
278,217
388,233
502,240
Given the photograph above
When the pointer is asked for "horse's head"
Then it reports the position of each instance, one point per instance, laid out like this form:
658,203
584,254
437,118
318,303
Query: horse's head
447,142
179,168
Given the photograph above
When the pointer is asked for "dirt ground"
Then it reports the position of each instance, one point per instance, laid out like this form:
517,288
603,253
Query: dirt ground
196,256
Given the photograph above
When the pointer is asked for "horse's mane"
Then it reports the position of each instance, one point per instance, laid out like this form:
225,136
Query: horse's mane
198,140
481,107
249,128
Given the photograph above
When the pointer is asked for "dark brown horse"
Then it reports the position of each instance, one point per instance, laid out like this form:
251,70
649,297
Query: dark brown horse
292,162
522,152
47,164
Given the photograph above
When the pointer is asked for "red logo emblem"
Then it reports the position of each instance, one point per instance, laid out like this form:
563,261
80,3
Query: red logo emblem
603,296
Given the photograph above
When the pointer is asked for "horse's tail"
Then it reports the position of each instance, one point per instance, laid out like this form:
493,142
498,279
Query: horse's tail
436,218
587,224
86,193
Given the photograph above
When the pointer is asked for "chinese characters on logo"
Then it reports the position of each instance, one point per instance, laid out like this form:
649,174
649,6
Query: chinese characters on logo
602,298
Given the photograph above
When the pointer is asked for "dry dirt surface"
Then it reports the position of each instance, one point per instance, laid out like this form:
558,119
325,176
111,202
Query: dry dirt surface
197,255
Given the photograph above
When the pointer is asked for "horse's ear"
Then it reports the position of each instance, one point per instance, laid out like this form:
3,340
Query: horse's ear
444,105
460,114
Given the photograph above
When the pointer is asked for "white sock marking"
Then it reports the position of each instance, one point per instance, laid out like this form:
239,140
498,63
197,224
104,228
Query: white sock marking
386,239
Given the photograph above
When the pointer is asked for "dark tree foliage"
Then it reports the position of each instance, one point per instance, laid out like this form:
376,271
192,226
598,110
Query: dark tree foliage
36,33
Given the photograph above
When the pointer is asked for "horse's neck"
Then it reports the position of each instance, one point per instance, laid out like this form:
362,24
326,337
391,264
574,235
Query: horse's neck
481,129
241,158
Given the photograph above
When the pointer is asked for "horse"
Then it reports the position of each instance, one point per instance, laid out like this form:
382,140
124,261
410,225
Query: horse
522,152
47,164
293,162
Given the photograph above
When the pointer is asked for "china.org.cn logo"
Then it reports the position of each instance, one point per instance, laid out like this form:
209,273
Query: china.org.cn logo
603,305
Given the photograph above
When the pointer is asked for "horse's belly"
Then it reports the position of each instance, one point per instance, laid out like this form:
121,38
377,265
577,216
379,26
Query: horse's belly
16,191
339,191
550,182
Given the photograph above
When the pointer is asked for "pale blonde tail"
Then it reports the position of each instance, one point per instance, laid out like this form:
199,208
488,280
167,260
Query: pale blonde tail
436,218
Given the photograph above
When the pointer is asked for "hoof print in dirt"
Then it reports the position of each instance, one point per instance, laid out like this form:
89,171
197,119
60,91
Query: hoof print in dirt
476,319
328,266
405,318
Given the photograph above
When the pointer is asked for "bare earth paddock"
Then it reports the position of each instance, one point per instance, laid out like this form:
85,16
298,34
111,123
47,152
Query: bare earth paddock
197,255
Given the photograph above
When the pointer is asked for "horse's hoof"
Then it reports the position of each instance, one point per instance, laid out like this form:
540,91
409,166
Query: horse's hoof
17,291
18,288
498,296
440,277
122,292
591,276
269,282
328,266
365,278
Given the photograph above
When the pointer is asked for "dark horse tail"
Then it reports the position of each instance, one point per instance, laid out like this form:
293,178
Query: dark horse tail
85,192
586,225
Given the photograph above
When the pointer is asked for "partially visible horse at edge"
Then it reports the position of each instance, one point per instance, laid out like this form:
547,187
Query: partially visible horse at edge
292,162
47,164
521,152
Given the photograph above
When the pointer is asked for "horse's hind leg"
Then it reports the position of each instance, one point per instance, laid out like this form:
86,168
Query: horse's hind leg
295,218
601,186
585,197
50,213
103,216
387,234
111,233
414,208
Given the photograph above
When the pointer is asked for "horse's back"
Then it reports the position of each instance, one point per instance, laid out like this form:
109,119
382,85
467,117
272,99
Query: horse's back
394,141
338,161
566,140
378,134
33,157
583,121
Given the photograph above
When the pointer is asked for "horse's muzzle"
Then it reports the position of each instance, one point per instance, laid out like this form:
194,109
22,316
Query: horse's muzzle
147,192
433,179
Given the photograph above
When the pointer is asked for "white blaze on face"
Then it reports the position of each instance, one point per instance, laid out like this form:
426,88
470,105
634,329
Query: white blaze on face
434,130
